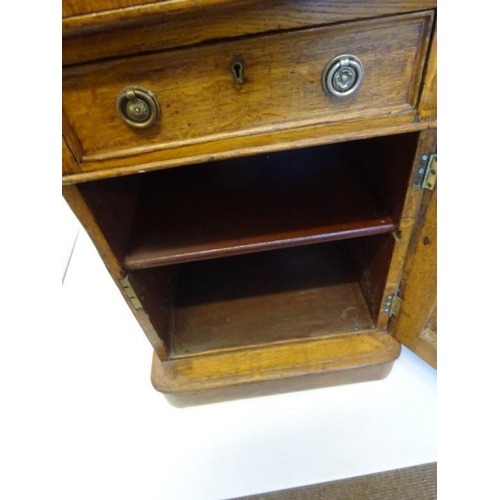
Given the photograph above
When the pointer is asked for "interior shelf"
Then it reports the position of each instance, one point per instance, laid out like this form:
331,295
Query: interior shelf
255,299
252,204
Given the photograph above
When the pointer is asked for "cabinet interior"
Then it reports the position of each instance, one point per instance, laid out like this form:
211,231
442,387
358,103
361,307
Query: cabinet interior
266,248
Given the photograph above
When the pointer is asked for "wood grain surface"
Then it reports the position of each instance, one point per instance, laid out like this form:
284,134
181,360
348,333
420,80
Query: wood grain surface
426,347
240,370
427,106
79,7
249,389
165,25
69,164
251,145
371,258
411,205
416,324
72,8
201,103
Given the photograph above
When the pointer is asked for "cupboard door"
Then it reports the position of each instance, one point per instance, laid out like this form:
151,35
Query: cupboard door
416,323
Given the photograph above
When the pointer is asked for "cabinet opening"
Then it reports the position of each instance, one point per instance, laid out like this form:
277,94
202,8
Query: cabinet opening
269,248
248,300
256,203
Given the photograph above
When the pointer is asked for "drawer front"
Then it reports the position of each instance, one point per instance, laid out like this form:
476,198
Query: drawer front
282,89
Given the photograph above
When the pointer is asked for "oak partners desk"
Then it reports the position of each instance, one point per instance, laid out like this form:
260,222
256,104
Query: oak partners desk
259,180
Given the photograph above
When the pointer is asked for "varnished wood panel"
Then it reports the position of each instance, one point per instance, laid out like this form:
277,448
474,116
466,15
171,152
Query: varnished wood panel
387,164
113,204
71,142
80,7
264,298
427,144
69,165
278,362
371,258
113,9
200,102
251,145
253,204
157,26
416,325
154,288
426,347
427,106
412,198
358,374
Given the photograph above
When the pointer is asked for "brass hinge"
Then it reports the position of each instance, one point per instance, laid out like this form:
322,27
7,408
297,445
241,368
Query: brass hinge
426,173
128,289
392,305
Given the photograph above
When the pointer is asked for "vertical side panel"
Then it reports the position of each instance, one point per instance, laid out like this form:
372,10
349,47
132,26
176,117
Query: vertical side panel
416,324
412,201
427,106
80,208
69,164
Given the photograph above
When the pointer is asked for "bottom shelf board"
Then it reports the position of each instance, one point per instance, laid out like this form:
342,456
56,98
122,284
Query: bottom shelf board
275,368
255,299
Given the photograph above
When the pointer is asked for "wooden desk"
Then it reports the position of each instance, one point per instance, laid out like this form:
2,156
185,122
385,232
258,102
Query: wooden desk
272,257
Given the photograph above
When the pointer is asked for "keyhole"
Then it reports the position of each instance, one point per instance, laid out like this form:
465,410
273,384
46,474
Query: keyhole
237,70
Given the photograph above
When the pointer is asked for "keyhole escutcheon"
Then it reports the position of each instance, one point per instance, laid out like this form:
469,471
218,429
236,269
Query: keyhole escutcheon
237,71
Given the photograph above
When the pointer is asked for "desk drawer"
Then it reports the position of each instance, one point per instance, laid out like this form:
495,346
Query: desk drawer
282,89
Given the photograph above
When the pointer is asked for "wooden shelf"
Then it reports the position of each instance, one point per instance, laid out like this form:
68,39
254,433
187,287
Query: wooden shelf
257,299
252,204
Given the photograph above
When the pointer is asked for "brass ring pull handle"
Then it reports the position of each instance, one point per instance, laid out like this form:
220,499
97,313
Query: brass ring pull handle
342,75
137,107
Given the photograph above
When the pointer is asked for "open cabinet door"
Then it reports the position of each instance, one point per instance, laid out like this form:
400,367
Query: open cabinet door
416,324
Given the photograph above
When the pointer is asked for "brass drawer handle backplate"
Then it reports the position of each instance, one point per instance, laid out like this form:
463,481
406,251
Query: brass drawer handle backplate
342,75
137,107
